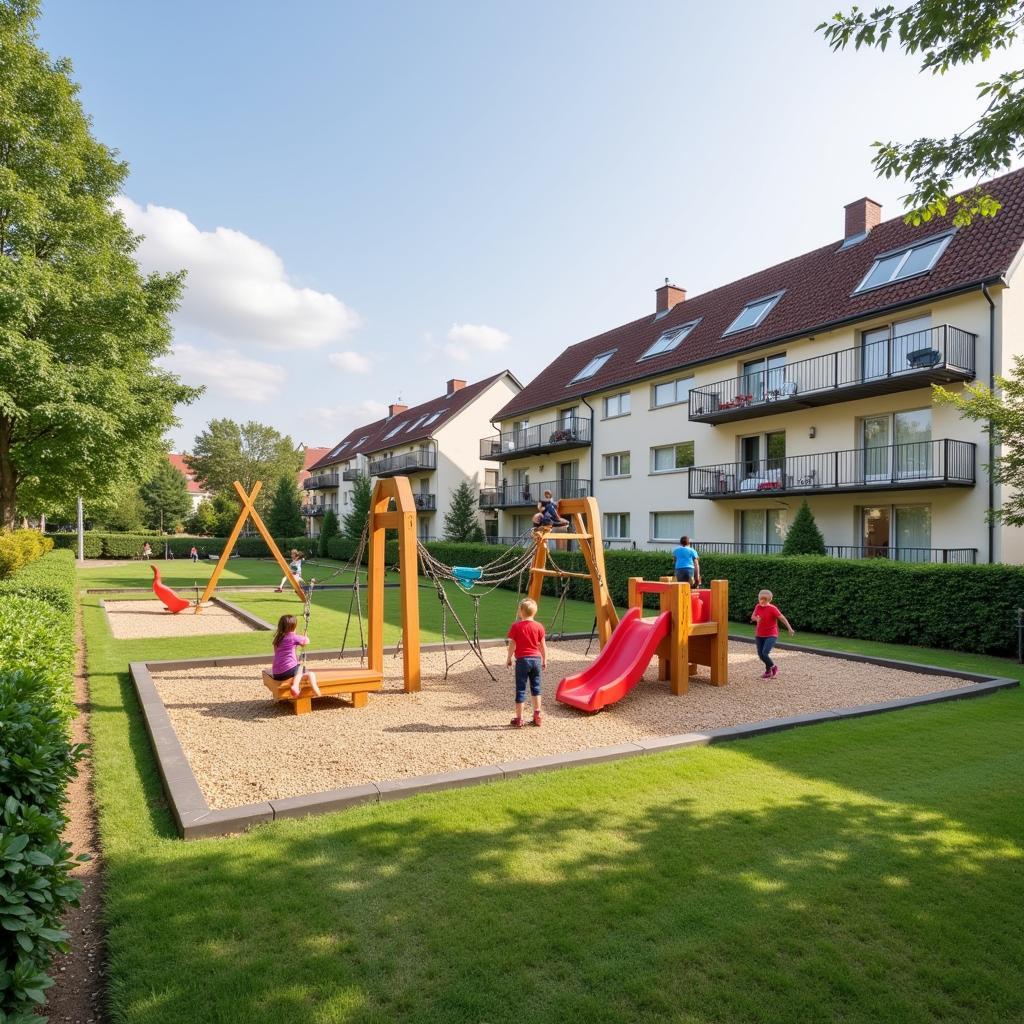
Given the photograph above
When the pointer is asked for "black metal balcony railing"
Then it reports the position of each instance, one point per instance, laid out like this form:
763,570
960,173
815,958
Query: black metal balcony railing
410,462
425,502
320,481
568,432
527,495
942,463
351,474
314,511
939,354
952,556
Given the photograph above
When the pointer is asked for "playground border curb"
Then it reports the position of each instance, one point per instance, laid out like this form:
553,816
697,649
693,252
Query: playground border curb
195,819
247,617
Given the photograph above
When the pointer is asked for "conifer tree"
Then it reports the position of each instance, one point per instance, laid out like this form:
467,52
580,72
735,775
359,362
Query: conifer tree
804,537
460,521
285,517
328,531
355,519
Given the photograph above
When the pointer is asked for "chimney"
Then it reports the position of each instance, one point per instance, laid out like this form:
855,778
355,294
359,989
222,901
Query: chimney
667,296
394,410
861,217
455,385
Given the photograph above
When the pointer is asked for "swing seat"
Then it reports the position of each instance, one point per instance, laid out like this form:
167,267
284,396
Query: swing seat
466,575
358,682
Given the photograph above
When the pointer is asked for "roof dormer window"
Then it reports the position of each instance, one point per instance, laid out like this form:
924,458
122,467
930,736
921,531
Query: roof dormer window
593,366
669,340
910,261
753,313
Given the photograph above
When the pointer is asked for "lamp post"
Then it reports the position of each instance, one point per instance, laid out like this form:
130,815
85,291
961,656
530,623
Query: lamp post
81,532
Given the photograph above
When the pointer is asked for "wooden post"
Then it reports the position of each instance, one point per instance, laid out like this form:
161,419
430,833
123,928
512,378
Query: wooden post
375,582
720,641
666,604
682,616
540,558
635,600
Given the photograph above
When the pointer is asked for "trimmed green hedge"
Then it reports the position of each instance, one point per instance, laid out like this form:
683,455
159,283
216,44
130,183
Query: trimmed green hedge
129,545
50,578
37,637
37,762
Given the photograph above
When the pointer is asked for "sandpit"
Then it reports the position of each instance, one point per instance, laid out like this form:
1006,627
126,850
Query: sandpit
243,748
140,620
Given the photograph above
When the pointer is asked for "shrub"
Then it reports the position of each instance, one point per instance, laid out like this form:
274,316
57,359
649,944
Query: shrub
36,763
37,637
804,537
20,547
92,546
50,578
328,531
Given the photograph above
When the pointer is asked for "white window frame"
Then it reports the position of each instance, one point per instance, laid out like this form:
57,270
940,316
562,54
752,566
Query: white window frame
434,417
669,340
627,395
771,302
675,469
593,366
906,251
688,381
619,456
394,430
674,538
621,518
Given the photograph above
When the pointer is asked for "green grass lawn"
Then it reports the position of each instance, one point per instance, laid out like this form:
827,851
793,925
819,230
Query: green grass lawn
868,870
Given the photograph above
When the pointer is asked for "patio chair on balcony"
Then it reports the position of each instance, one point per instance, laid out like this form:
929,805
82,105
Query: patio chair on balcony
923,358
787,389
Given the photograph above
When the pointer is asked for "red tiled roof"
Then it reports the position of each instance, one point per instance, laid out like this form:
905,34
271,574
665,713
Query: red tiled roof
818,293
374,433
178,462
310,457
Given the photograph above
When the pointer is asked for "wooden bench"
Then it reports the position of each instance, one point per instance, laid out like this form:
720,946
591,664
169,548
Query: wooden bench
358,682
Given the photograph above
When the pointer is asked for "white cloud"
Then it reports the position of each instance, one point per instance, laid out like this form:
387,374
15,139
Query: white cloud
340,419
227,372
467,340
351,362
237,287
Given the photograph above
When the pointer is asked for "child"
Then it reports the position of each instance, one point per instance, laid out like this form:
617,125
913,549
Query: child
767,617
526,639
687,562
147,551
194,554
296,567
286,663
547,513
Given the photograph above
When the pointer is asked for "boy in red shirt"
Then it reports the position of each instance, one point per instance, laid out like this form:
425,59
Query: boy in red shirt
767,617
526,640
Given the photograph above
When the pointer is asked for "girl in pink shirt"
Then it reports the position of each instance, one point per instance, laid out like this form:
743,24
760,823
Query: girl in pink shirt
286,662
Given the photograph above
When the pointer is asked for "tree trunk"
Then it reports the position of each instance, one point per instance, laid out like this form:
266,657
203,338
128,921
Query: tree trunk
8,483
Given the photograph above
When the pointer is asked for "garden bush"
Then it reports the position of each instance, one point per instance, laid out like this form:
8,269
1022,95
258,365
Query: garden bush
50,578
18,548
37,637
93,543
129,545
37,761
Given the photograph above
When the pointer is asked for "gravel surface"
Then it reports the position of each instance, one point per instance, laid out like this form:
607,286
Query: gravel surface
134,620
243,747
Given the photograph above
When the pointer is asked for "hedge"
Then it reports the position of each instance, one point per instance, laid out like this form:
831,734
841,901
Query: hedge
19,548
37,637
129,545
37,762
50,579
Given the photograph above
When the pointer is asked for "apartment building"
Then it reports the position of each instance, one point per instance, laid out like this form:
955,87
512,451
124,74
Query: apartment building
716,416
435,444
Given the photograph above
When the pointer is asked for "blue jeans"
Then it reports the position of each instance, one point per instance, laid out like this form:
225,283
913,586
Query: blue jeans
684,575
764,649
527,671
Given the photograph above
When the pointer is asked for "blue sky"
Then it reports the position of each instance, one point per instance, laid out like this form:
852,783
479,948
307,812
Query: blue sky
372,198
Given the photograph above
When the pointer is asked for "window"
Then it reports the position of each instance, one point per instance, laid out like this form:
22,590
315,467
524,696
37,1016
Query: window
671,457
593,366
909,262
765,376
761,531
616,525
616,405
670,526
490,478
362,441
672,392
418,423
395,430
669,340
903,532
616,464
433,417
753,313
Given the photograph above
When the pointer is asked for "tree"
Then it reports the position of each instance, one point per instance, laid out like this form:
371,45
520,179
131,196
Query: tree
203,520
226,510
328,531
460,521
804,537
285,516
947,33
166,498
123,511
227,451
359,512
1003,418
82,402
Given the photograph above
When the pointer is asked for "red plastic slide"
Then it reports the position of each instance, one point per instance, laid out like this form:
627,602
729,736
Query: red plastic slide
620,666
169,597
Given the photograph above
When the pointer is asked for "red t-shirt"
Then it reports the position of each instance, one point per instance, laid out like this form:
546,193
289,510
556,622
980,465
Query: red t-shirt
767,620
526,634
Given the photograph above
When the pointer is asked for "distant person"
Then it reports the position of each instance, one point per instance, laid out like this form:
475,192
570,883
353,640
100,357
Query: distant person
147,551
527,642
687,562
194,553
766,635
286,664
296,567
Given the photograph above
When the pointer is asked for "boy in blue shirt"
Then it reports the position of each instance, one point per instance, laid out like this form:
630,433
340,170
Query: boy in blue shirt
687,562
547,513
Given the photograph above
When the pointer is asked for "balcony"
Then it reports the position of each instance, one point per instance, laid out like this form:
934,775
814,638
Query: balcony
527,495
944,556
313,511
936,356
349,475
410,462
556,435
321,480
919,464
425,502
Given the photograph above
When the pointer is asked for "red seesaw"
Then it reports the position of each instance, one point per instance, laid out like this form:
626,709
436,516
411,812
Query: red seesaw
169,597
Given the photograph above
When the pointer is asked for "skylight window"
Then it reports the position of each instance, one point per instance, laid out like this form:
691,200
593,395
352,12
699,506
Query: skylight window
669,340
593,366
418,423
753,313
909,262
433,417
395,430
337,450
